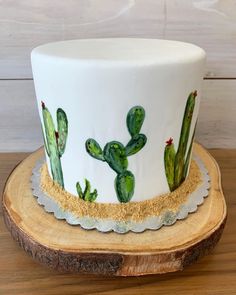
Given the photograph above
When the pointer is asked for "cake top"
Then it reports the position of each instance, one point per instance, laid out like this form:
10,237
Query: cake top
122,50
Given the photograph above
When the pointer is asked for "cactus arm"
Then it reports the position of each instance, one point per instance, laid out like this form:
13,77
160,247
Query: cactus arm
87,190
49,130
45,143
186,124
93,196
51,139
79,190
186,165
115,155
136,143
86,195
124,184
62,127
134,120
184,137
169,161
94,149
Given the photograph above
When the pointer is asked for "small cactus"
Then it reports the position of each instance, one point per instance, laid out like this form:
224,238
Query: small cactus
115,153
86,195
176,163
55,141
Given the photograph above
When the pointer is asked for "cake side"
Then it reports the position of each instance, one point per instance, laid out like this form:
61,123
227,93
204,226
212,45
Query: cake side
138,117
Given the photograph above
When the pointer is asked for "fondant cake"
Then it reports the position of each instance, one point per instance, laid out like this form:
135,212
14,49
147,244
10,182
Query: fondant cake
118,116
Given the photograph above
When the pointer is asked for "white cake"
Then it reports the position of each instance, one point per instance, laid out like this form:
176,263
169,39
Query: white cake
120,105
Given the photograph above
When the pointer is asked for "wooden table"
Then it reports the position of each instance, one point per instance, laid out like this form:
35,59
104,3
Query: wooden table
214,274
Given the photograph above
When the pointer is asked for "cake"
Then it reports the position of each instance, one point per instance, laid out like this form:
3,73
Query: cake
118,118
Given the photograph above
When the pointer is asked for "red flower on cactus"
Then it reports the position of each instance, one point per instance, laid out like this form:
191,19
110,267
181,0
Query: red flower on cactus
169,141
43,104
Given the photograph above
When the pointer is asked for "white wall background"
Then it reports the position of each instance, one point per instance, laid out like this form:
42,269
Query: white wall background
25,24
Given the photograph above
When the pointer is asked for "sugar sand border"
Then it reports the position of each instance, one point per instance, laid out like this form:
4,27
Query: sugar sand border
124,212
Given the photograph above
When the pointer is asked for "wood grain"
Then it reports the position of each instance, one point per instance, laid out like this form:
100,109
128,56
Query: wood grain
214,274
70,248
26,24
217,120
20,128
19,124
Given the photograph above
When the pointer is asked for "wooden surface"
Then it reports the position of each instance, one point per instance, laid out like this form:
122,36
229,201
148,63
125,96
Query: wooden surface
70,248
25,24
213,274
20,128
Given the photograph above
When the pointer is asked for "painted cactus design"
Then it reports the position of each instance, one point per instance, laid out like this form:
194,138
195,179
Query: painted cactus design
115,154
55,141
124,184
176,163
169,160
86,195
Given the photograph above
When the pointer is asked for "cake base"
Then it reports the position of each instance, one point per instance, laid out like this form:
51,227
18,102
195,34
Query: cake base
70,248
163,210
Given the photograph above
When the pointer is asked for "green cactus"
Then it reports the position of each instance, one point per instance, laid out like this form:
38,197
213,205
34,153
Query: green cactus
94,149
179,161
135,120
169,160
179,168
62,126
115,153
184,137
124,184
86,195
186,164
55,141
136,143
115,156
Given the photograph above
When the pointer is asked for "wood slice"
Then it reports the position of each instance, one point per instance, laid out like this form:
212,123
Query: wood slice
71,248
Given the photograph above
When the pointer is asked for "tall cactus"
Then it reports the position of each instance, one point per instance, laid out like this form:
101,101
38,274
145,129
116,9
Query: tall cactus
169,160
55,141
176,163
115,154
186,164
